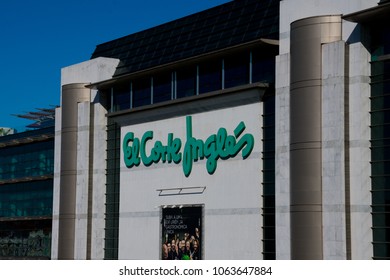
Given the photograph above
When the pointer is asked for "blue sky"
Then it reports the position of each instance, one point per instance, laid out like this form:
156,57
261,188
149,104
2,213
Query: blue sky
39,37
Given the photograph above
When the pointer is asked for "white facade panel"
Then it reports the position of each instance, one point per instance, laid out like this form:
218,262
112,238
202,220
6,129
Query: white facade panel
360,153
333,151
56,184
282,157
231,199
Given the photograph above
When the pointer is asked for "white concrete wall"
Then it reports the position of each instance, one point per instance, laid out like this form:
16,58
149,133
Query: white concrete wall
91,71
292,10
91,164
82,184
282,157
98,181
232,199
333,151
56,184
360,153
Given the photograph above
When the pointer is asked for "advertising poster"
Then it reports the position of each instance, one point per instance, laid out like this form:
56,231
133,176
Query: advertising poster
181,233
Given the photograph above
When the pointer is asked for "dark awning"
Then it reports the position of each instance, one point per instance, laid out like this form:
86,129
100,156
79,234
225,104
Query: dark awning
377,14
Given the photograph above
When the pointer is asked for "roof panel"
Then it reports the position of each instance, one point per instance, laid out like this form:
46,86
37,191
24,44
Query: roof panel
233,23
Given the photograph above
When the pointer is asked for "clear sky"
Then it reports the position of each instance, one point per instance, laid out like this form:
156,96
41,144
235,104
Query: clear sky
39,37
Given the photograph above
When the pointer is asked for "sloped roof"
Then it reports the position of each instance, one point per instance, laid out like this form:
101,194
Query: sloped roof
223,26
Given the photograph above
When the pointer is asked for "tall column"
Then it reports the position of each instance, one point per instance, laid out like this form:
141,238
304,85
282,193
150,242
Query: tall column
307,36
72,94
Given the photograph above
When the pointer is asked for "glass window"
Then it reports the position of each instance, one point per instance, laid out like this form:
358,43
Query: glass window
112,191
379,220
268,170
35,159
210,76
380,102
380,117
380,88
186,82
381,197
380,182
380,168
121,97
381,250
236,69
380,153
381,131
26,199
263,66
162,87
380,70
141,92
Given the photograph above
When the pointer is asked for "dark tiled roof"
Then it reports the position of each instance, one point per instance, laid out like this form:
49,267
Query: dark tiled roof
227,25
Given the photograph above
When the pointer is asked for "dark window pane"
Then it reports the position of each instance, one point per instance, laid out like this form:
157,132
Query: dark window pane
381,182
263,66
380,88
141,92
380,168
381,250
186,82
210,76
162,87
382,131
380,220
381,197
380,143
236,70
380,70
380,153
121,97
112,191
380,102
380,117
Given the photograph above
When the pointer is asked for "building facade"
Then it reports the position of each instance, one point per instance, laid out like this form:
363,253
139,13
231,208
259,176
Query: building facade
252,130
26,191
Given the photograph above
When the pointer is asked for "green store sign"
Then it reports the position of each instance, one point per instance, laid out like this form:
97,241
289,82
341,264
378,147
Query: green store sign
216,146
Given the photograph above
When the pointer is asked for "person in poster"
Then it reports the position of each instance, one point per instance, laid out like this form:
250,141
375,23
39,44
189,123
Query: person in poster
181,233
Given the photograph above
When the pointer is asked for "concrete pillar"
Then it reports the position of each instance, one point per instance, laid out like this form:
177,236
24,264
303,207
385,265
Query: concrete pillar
56,184
282,157
335,186
360,153
72,94
307,36
83,191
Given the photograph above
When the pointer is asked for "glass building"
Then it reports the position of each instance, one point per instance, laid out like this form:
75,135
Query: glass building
26,193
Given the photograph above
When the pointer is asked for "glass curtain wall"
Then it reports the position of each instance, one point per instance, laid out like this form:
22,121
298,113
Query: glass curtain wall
27,199
268,156
380,140
26,195
112,191
35,159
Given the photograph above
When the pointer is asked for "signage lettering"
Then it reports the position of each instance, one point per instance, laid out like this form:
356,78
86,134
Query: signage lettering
216,146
